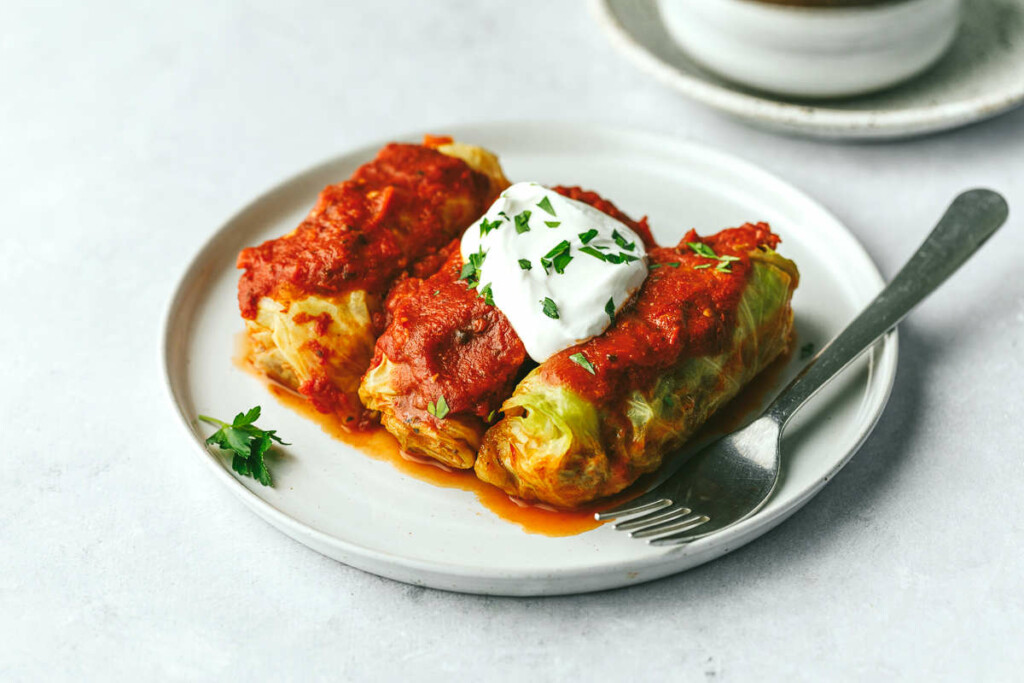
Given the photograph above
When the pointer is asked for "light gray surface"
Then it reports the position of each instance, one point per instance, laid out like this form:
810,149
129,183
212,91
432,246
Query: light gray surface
129,134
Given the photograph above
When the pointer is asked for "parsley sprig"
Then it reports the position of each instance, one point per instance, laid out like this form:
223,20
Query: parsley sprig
247,442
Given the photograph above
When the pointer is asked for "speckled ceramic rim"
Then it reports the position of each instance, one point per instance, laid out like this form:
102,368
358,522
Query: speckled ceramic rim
491,581
849,4
818,121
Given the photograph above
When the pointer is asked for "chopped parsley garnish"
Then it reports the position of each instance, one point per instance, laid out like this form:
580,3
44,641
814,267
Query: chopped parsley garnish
806,351
491,415
702,249
621,257
487,295
525,264
503,215
671,264
546,205
558,257
552,224
436,292
588,235
581,360
439,409
550,309
621,241
471,268
559,248
609,308
724,262
487,226
545,263
247,442
522,222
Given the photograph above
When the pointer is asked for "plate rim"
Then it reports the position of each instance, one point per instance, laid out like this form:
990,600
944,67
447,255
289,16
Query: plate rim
817,120
501,581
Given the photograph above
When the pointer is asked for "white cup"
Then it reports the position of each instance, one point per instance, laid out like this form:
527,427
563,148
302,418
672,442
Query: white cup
814,51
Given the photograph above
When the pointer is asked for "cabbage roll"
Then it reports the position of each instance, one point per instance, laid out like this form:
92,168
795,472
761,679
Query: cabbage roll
313,299
448,358
590,420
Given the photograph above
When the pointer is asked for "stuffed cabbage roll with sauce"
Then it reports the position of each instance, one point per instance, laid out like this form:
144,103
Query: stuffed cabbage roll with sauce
313,299
591,419
449,357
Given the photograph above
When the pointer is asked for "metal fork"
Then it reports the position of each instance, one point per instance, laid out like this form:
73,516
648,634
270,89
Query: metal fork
733,478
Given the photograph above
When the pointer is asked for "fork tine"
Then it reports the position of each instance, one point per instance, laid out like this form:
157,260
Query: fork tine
662,515
668,527
679,538
648,502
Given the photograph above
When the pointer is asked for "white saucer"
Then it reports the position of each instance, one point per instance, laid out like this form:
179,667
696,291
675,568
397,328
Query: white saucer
980,77
366,513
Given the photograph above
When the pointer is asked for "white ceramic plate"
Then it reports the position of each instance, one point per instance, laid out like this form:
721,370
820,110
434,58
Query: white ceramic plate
980,77
366,513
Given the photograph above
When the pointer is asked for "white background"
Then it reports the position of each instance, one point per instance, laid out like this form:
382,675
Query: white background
129,133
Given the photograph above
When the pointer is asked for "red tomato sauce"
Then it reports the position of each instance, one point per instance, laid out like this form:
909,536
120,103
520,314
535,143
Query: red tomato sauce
321,323
640,227
406,204
443,340
681,310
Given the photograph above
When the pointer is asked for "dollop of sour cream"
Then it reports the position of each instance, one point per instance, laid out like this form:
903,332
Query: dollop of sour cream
558,268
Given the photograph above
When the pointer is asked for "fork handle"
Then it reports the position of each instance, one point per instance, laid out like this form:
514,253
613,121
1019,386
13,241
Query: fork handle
971,219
